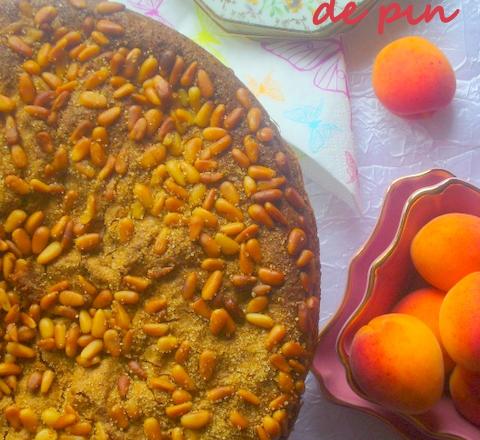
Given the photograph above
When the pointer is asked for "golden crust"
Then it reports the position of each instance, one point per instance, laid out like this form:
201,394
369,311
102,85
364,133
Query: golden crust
243,360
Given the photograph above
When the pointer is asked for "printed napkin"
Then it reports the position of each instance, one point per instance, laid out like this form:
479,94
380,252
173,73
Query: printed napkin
302,84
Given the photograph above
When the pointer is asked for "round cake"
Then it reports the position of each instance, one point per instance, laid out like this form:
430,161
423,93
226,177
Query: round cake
159,262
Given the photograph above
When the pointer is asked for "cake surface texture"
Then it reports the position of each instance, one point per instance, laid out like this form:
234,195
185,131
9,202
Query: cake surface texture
159,260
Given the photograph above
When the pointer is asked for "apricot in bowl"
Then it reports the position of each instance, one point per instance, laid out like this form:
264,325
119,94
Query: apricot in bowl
465,392
425,305
460,322
447,249
397,361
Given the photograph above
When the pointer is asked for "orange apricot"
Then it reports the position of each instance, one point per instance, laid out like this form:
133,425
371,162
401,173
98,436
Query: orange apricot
397,362
460,322
425,305
413,77
446,249
465,392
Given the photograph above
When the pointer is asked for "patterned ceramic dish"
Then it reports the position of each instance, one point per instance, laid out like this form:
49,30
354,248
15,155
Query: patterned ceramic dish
384,262
275,18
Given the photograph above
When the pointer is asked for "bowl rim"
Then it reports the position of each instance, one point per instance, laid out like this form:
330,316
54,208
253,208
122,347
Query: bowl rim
435,189
376,230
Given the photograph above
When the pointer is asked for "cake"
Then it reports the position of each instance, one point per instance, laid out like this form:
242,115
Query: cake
159,256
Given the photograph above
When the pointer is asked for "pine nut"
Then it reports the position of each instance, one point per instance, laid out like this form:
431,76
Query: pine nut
254,119
293,349
123,91
254,250
71,299
8,369
272,427
139,130
47,380
221,145
123,385
108,7
227,210
14,220
265,134
31,67
40,239
87,242
276,335
179,410
260,320
18,45
45,15
93,349
181,377
93,100
229,192
196,420
212,264
52,80
109,117
122,319
28,419
212,285
233,119
167,344
50,253
155,305
128,297
257,305
209,245
156,330
203,115
60,332
205,84
19,350
271,277
111,341
260,215
280,362
238,420
26,88
34,382
110,28
227,245
96,79
245,262
152,429
99,324
275,214
269,195
218,321
295,199
220,393
305,258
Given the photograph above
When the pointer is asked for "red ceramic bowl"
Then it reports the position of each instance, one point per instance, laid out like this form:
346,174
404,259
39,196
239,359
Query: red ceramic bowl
384,261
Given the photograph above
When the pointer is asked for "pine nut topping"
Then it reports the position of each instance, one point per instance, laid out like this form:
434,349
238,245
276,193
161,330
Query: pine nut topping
154,225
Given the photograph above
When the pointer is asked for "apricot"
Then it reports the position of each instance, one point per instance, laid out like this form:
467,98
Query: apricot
465,392
425,305
397,362
446,249
412,77
460,322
